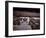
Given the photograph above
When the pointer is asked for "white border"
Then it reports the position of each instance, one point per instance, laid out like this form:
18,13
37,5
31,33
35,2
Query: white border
25,32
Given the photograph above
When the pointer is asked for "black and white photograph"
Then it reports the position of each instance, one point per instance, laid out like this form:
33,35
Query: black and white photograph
24,18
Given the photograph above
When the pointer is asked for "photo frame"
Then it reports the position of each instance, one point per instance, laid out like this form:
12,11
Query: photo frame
24,10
